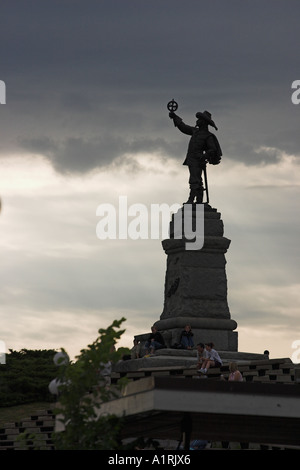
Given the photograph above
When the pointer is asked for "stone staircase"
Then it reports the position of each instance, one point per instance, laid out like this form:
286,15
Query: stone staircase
281,370
33,433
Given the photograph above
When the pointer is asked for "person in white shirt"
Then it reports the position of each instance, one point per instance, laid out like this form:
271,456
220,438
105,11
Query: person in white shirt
213,359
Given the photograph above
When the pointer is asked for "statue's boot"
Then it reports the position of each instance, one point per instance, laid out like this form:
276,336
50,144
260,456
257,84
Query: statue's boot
192,195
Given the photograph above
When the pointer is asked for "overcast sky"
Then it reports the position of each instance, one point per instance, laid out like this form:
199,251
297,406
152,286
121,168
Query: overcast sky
85,122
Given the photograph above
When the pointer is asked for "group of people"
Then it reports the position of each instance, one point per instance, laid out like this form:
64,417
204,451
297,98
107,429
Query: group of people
207,356
156,341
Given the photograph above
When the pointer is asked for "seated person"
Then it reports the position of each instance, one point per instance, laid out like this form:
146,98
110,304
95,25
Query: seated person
136,349
155,341
213,359
186,338
201,354
235,375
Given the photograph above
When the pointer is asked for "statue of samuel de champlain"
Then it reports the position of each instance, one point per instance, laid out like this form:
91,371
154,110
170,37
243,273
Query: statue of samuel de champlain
203,148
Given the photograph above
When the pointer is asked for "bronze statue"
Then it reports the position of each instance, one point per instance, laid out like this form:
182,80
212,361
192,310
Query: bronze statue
203,148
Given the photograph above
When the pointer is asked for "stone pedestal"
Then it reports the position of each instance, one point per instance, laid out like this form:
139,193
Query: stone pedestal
196,285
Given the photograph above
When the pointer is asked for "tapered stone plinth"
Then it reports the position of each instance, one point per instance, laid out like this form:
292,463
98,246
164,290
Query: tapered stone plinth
196,285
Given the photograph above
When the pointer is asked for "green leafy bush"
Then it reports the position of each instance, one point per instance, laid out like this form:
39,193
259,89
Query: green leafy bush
82,392
25,377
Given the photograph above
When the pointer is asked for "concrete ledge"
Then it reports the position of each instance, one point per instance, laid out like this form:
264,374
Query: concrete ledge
197,322
157,407
228,355
168,357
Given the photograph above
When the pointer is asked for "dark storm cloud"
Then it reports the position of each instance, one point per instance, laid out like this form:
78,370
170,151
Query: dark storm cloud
77,155
89,81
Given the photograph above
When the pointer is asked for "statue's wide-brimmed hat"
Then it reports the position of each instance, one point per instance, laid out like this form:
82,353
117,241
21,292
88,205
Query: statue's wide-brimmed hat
207,116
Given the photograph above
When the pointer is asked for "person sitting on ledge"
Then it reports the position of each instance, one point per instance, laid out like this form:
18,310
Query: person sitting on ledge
213,359
155,341
136,349
235,374
186,338
201,355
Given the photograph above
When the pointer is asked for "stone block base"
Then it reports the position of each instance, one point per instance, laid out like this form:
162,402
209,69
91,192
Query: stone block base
216,330
223,338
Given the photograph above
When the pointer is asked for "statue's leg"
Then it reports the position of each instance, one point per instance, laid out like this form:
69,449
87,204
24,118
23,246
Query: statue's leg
193,182
196,184
199,197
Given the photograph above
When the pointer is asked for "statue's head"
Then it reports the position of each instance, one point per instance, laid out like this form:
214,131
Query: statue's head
201,123
204,119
